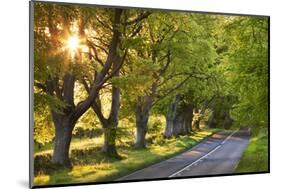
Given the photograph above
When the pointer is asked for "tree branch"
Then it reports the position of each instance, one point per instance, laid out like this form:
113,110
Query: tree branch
139,18
163,70
104,24
121,62
171,90
136,31
103,42
83,106
96,56
96,108
194,75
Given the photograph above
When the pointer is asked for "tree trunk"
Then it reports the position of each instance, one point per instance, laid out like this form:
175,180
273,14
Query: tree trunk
183,121
188,116
109,145
179,124
63,134
169,126
140,135
142,115
110,125
179,119
196,119
170,117
63,121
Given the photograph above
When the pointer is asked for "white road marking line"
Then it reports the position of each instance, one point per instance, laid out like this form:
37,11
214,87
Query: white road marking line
201,159
194,163
227,138
170,159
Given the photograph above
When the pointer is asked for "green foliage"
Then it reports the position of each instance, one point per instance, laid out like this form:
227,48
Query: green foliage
43,124
139,80
88,121
43,127
248,63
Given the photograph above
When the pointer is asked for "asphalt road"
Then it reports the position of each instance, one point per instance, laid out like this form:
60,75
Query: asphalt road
218,154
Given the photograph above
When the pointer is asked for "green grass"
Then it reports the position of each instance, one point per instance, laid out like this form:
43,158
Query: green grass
76,143
255,157
97,168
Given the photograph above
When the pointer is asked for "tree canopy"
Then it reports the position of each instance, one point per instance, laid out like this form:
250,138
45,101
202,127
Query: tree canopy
113,69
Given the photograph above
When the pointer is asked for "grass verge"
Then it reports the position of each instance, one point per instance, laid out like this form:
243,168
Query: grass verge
96,168
255,157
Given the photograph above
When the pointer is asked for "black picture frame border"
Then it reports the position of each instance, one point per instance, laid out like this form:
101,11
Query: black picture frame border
31,93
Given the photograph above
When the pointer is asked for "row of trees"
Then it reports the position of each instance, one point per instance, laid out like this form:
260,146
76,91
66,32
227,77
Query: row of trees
108,64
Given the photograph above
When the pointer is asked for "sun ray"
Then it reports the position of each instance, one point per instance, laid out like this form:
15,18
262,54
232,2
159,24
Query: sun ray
72,44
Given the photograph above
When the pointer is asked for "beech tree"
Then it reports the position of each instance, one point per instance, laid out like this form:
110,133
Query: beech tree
53,26
130,27
162,61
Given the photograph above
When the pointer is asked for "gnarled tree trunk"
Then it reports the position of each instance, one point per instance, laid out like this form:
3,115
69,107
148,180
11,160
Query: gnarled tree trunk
179,124
110,127
63,121
109,124
169,126
170,117
179,119
141,133
63,133
142,115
